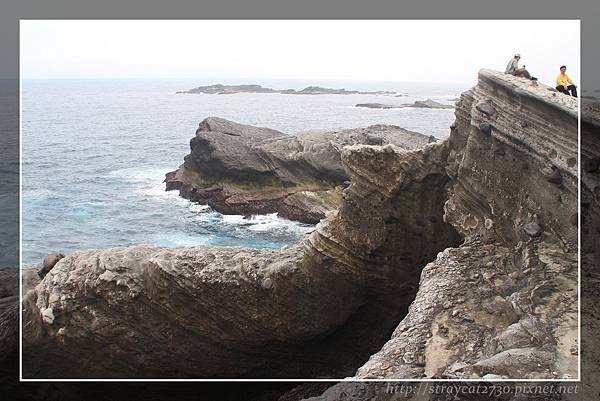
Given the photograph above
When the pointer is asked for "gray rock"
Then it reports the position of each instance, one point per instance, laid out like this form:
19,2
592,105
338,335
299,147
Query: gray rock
517,362
532,229
431,104
240,169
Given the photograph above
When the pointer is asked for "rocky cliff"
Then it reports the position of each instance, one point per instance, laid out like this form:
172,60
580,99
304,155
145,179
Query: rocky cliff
476,233
241,169
504,303
589,386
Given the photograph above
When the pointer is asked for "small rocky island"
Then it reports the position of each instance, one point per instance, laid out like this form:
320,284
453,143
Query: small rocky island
219,89
451,259
241,169
423,104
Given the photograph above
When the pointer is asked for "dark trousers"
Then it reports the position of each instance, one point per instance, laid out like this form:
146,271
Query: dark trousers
571,88
521,72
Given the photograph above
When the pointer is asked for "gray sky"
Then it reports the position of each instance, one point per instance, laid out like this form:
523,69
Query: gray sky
390,50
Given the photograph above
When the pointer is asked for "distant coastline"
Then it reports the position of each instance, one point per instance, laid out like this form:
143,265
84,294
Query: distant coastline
220,89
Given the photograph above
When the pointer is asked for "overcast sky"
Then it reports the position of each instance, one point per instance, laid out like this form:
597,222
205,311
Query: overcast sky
391,50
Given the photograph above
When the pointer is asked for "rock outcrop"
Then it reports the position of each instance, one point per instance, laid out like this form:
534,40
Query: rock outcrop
422,104
493,300
505,302
241,169
220,89
233,312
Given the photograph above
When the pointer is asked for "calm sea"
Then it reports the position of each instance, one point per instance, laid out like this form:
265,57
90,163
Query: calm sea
95,153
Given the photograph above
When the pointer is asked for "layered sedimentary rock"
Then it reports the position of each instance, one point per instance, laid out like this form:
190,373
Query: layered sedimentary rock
319,308
490,213
241,169
504,304
476,264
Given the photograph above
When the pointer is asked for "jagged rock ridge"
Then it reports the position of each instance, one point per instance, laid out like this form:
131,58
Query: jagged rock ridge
241,169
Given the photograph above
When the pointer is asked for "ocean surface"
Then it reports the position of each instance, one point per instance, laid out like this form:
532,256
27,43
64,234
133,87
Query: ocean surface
95,152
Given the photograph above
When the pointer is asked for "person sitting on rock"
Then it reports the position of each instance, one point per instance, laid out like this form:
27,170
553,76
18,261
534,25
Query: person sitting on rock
563,81
513,68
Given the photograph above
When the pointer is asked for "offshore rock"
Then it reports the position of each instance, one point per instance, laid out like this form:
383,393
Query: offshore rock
241,169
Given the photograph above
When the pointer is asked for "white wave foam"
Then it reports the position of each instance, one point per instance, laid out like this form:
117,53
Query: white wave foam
173,240
266,223
197,208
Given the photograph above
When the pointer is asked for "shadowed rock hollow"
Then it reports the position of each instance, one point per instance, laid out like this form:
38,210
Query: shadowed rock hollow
502,303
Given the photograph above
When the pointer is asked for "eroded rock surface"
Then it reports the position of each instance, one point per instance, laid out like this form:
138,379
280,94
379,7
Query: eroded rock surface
508,294
319,308
490,295
241,169
514,312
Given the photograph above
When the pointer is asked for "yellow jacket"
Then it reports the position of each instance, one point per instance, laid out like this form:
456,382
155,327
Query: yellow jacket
564,80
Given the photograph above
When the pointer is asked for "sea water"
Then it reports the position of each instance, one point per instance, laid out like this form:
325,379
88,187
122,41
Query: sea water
95,152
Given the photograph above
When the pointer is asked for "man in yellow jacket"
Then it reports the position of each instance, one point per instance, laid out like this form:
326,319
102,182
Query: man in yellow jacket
564,83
